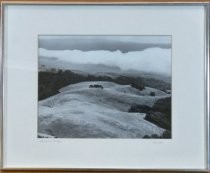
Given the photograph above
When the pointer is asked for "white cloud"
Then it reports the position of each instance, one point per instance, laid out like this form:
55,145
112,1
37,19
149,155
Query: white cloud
155,60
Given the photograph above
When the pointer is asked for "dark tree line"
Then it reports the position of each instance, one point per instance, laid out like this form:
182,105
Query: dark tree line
51,82
155,83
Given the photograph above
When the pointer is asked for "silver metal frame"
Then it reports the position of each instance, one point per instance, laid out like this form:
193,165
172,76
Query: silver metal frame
206,71
207,84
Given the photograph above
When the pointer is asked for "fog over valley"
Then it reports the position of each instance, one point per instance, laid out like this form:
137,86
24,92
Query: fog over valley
154,60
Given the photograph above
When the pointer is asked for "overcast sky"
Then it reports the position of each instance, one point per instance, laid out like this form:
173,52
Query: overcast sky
111,43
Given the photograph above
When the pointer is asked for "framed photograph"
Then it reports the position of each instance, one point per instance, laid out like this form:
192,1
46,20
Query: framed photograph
105,86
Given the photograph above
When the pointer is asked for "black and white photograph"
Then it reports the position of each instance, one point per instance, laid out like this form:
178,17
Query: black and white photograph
104,86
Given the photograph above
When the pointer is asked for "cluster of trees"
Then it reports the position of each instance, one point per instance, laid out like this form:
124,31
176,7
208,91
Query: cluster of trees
96,86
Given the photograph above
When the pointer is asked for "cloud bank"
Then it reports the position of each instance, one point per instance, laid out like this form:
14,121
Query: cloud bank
153,60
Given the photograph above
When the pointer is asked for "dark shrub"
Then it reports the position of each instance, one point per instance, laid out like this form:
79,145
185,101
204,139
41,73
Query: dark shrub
163,105
166,134
152,93
159,119
140,108
138,85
